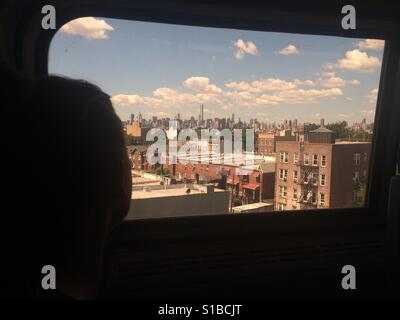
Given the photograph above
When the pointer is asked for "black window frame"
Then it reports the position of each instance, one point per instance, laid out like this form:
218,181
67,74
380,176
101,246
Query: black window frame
300,19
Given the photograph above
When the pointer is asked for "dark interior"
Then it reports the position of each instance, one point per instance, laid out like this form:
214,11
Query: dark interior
252,256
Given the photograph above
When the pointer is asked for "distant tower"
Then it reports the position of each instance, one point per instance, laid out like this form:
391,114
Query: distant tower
233,118
132,117
322,122
202,113
294,123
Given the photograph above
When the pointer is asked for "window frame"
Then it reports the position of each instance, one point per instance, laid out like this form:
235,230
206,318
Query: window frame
306,156
323,162
320,180
322,198
283,174
315,157
295,176
295,158
285,158
274,19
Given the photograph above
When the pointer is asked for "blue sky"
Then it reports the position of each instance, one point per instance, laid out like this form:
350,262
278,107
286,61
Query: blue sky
163,70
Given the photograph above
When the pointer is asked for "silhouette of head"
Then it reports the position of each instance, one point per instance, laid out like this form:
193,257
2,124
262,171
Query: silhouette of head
78,165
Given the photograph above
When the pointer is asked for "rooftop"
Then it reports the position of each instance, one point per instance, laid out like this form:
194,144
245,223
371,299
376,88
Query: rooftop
322,129
170,191
252,206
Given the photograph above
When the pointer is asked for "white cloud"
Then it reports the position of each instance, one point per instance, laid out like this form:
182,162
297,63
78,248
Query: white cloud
372,44
307,83
301,96
127,100
355,60
209,111
88,27
159,114
343,115
238,85
244,48
258,93
272,84
373,96
368,113
336,82
326,74
290,49
201,84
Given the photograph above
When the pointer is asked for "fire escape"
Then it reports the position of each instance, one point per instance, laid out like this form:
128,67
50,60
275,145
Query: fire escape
307,180
357,189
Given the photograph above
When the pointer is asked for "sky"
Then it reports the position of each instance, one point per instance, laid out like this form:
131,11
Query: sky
163,69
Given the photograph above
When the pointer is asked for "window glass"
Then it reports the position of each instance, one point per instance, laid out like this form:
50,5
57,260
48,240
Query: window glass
215,119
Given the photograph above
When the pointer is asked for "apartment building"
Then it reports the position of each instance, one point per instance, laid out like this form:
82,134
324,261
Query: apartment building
320,173
251,181
266,143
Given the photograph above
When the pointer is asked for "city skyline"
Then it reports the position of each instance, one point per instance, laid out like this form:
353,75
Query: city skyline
162,70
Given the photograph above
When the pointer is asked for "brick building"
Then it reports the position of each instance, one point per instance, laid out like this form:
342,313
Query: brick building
266,143
319,173
247,183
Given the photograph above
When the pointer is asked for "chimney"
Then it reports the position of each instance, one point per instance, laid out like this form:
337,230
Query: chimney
322,122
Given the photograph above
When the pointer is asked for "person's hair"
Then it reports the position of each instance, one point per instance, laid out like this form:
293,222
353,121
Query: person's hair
78,165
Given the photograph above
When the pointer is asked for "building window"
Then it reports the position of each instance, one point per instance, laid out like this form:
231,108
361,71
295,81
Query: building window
305,177
284,157
323,160
282,206
314,178
306,159
323,180
315,160
357,159
283,173
355,196
305,195
365,157
322,199
314,197
294,193
295,175
295,158
356,176
283,191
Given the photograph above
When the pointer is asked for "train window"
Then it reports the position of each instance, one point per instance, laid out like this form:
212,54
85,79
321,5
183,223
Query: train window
213,117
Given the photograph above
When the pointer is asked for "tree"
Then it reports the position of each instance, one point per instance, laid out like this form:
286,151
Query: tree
130,140
340,129
362,192
162,171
